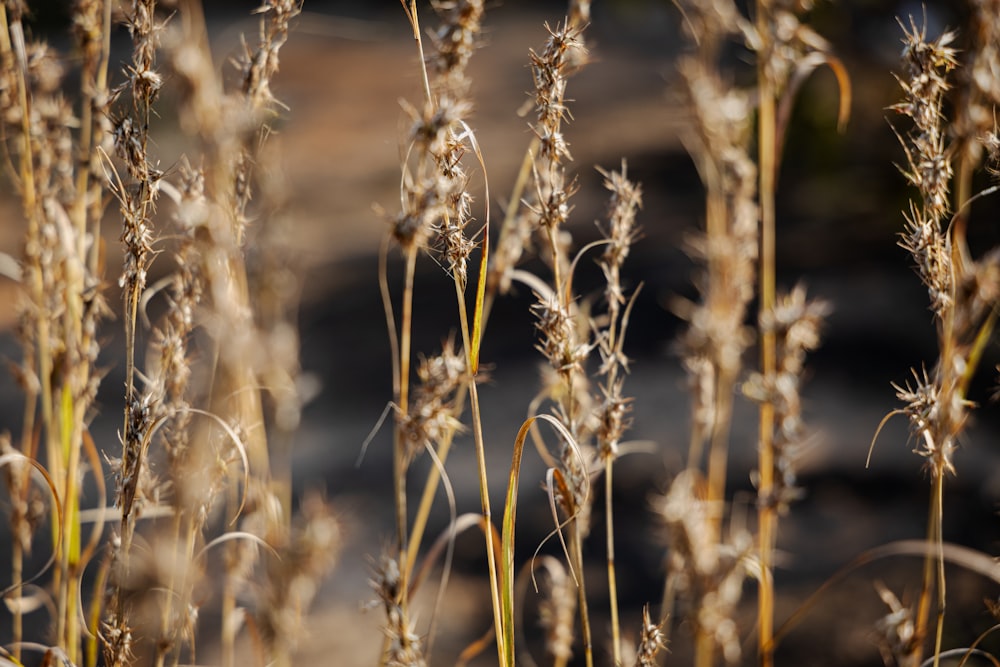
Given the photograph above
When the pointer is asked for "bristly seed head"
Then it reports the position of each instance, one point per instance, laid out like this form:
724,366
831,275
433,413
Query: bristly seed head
560,339
564,51
929,168
454,42
795,323
556,610
433,414
651,641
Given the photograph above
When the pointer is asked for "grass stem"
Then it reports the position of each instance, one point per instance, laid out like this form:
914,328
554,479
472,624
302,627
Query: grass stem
612,578
767,161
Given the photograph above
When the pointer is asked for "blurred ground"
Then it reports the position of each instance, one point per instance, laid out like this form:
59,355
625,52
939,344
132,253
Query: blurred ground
342,75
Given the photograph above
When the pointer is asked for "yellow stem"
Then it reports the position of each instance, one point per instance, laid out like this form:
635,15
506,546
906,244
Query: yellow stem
704,655
510,215
426,501
718,453
933,572
767,165
939,548
434,477
612,578
400,455
585,633
503,651
17,576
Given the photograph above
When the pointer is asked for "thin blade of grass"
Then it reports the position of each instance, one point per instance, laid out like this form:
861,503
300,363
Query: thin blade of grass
970,559
16,457
509,521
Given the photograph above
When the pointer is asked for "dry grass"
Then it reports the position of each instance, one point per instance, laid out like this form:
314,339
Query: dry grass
202,521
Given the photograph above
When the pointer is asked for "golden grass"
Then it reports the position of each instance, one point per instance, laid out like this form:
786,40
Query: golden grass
203,495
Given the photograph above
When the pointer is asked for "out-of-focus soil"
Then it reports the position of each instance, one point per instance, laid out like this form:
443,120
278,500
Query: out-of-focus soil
839,203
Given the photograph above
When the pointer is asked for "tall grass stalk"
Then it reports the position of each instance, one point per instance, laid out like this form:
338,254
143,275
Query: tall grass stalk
936,402
787,53
437,206
62,306
767,171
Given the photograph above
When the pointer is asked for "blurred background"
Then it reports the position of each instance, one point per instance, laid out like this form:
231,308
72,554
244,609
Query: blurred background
840,199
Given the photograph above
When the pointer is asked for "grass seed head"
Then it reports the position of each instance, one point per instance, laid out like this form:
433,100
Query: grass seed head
556,611
651,641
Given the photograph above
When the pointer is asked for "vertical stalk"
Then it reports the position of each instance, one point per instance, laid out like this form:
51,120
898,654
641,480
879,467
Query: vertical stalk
933,573
718,453
507,226
612,578
434,476
399,456
17,577
717,221
564,298
228,628
13,49
585,632
101,84
715,228
503,651
71,416
424,508
963,193
704,650
93,621
767,161
163,646
939,544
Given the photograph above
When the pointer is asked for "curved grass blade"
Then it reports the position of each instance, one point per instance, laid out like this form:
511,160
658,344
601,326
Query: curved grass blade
507,532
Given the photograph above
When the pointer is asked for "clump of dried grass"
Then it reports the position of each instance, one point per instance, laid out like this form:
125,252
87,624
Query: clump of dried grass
197,443
202,478
736,141
962,290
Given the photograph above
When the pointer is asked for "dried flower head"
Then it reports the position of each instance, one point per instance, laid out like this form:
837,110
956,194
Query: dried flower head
556,611
560,334
651,641
454,42
708,572
897,630
621,232
309,553
974,119
934,420
929,168
405,648
625,201
433,413
795,324
564,51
